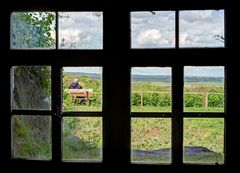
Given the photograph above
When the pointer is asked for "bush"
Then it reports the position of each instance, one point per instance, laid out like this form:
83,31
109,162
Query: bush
194,100
216,100
135,99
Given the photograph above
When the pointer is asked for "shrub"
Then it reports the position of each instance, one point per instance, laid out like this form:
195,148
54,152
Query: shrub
194,100
135,99
215,100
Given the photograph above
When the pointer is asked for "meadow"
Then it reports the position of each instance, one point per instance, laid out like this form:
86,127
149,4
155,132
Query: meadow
154,134
151,137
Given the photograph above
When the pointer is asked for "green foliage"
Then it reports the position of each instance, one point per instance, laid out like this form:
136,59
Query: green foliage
26,143
135,99
44,22
216,89
216,100
86,83
70,125
36,28
87,133
194,100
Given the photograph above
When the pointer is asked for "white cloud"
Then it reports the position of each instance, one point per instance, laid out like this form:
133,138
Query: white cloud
198,28
81,30
183,37
151,36
153,29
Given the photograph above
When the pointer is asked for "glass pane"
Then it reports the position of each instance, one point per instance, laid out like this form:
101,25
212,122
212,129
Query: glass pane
151,89
153,29
80,30
204,89
151,140
33,30
31,137
31,87
201,28
82,88
204,140
82,138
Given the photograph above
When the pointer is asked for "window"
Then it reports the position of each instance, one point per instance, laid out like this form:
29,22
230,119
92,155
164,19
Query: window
82,132
204,135
151,97
150,117
31,93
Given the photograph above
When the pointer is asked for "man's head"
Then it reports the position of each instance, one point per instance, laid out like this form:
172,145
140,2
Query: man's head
75,80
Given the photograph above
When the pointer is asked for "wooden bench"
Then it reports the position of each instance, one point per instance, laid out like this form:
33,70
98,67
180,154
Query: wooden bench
79,95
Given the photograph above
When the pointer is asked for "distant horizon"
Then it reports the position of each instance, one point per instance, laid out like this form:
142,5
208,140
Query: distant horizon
168,75
189,71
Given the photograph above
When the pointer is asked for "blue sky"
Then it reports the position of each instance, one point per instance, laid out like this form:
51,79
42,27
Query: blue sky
157,29
213,71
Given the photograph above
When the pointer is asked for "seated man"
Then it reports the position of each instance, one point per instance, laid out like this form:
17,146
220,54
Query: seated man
75,85
78,99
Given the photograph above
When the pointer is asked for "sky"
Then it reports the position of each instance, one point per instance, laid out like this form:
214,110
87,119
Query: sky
207,71
156,29
83,69
80,30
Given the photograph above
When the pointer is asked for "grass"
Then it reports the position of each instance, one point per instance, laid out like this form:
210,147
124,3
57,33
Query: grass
148,134
84,108
168,109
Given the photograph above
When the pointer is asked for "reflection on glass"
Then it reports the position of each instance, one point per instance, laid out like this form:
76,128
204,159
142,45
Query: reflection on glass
82,88
82,138
151,140
33,30
31,137
151,89
80,30
201,28
31,87
153,29
204,140
204,89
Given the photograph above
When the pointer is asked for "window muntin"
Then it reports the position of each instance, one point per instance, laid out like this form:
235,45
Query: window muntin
32,30
80,30
150,131
201,28
153,29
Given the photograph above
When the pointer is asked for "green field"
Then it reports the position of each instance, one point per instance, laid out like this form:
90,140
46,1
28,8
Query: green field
150,137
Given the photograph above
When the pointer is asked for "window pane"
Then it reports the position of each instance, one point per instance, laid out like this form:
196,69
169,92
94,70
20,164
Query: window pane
31,87
82,88
204,89
204,140
151,89
201,28
31,137
153,29
32,30
82,138
151,140
80,30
